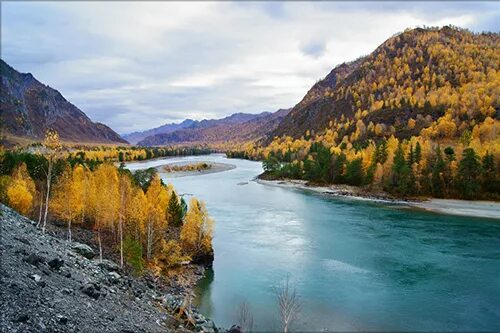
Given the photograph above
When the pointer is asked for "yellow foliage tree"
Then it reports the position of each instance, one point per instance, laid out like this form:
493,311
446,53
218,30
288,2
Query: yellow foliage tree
104,199
197,231
21,190
157,198
67,200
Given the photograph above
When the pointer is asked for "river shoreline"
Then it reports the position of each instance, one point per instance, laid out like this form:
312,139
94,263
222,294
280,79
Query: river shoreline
483,209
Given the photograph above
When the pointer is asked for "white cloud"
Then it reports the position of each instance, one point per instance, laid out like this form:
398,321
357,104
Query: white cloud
135,65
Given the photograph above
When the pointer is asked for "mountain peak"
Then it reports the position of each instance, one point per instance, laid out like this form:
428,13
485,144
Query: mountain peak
29,108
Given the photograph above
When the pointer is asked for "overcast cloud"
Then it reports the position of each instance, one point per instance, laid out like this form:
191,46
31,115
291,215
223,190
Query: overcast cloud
138,65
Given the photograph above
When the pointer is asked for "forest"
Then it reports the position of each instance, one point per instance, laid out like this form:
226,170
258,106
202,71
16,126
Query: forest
417,117
144,221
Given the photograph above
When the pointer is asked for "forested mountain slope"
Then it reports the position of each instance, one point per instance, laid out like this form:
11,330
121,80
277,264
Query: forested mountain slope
29,108
442,80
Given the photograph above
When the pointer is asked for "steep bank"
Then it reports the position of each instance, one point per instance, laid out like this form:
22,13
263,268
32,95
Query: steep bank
49,284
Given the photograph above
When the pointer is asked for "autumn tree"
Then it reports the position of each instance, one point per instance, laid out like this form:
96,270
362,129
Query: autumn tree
105,199
67,200
137,213
157,199
125,200
197,231
21,190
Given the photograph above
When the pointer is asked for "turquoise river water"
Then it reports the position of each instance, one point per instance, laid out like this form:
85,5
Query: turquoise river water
356,265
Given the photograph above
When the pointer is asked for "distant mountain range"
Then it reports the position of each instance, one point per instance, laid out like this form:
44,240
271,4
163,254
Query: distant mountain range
29,108
135,137
237,128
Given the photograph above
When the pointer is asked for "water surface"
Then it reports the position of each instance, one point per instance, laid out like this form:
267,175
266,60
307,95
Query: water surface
357,265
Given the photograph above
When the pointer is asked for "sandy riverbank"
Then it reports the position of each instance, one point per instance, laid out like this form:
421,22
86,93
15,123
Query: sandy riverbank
214,168
485,209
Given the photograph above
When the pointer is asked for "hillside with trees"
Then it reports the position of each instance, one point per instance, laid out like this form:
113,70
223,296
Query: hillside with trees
418,116
145,221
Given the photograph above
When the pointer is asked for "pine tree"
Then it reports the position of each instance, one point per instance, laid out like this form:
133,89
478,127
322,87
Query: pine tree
418,153
447,174
174,210
469,171
490,174
400,173
354,172
438,166
184,207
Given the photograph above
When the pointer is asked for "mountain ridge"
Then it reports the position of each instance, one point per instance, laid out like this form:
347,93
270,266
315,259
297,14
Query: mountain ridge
137,136
30,107
237,128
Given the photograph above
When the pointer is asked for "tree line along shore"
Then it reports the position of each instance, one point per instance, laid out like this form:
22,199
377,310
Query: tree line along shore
143,220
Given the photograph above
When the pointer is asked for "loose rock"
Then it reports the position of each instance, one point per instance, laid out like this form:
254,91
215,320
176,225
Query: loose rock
84,250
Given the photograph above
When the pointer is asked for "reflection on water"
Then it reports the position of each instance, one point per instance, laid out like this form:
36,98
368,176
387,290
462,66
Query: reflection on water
203,293
357,265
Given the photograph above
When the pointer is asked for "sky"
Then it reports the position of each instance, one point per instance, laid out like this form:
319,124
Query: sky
138,65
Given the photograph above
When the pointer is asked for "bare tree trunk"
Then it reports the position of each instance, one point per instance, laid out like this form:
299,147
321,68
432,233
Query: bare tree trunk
120,230
244,317
40,210
289,304
100,244
49,179
149,240
84,196
69,231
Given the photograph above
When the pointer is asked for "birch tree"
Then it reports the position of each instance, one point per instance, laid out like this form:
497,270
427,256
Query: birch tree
52,144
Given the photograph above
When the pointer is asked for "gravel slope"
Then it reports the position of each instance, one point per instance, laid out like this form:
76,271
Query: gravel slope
47,285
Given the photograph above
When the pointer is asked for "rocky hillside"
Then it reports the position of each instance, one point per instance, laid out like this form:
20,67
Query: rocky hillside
29,108
445,80
50,285
237,128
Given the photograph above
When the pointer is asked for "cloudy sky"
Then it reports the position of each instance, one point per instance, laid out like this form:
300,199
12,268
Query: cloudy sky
138,65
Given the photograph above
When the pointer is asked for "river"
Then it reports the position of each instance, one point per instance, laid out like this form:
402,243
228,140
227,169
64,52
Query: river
356,265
